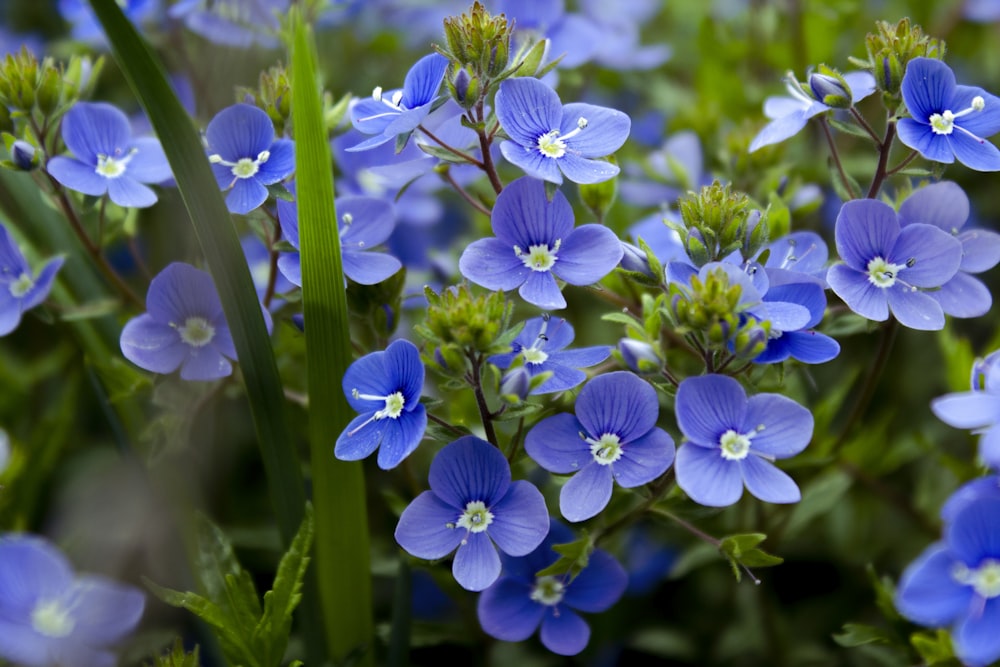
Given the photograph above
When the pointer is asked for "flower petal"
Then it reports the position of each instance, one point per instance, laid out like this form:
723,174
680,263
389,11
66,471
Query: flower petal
586,493
90,129
467,470
605,129
78,176
983,123
532,162
239,131
247,194
206,363
706,477
555,444
564,633
112,610
540,289
644,459
423,529
527,108
587,254
977,642
520,520
866,229
492,264
506,610
599,585
964,296
477,564
967,410
708,406
583,170
619,403
944,205
130,193
978,154
928,594
280,163
972,535
781,427
149,163
766,482
920,137
360,437
153,346
524,216
423,80
369,268
811,347
32,570
927,87
980,250
372,221
860,295
402,436
916,310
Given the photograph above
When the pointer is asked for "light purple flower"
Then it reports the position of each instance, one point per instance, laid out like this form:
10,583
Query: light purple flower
21,289
978,411
239,23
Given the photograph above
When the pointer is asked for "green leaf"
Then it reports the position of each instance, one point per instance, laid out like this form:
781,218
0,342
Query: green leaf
857,634
849,128
819,497
742,552
573,557
935,647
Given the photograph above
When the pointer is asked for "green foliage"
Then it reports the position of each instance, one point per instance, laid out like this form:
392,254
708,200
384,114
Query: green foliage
177,657
742,553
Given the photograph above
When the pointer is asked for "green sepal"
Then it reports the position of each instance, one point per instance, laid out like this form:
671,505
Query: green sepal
279,191
935,647
333,114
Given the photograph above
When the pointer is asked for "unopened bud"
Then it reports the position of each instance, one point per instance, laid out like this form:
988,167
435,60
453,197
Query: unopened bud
831,90
638,356
515,385
23,155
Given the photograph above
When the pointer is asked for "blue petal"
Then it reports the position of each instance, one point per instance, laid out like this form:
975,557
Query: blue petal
524,216
369,268
921,138
110,610
239,131
468,470
983,123
708,406
423,529
290,265
862,84
811,347
32,570
403,365
540,289
77,176
423,80
972,535
402,437
152,345
476,564
372,116
43,284
582,170
928,593
766,482
967,410
532,162
372,221
564,633
782,128
181,291
130,193
361,437
980,250
280,163
288,218
246,195
506,610
618,403
644,459
520,519
980,155
206,363
527,109
605,132
555,444
561,378
149,163
706,477
587,254
927,88
944,205
787,426
977,642
599,585
90,129
866,228
586,493
492,264
858,292
964,296
22,645
916,310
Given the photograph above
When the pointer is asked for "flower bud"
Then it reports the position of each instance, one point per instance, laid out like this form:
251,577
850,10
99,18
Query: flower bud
49,89
634,259
831,90
751,340
640,357
23,155
515,385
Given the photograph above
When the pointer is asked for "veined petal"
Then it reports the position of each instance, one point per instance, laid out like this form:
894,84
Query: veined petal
426,528
562,378
583,170
493,264
524,216
477,564
963,296
423,80
506,610
149,163
468,470
33,570
916,310
979,155
858,292
246,195
43,283
361,437
708,406
540,289
402,435
944,205
781,427
706,477
369,268
811,347
927,87
564,633
934,254
586,493
130,193
977,642
920,137
520,520
619,403
532,162
768,483
587,254
181,291
372,221
644,459
78,176
972,535
402,364
866,229
605,129
239,131
782,128
152,345
599,585
927,592
90,129
280,163
555,444
372,116
369,375
980,250
862,85
205,364
983,123
968,409
527,109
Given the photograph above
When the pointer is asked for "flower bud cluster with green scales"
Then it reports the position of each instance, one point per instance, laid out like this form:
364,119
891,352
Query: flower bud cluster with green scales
890,48
718,221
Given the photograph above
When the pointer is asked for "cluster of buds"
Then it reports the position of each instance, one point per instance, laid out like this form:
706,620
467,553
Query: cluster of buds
717,222
890,48
273,95
460,324
27,85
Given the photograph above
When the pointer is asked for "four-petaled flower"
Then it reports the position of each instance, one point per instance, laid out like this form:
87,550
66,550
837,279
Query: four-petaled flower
384,387
535,243
549,139
106,157
50,616
472,505
948,121
612,438
886,265
730,441
246,157
520,601
20,289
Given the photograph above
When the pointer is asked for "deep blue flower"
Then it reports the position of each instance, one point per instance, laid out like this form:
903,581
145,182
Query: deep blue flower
946,206
246,157
49,616
731,440
364,223
183,327
520,602
948,121
549,139
384,388
885,266
20,288
239,23
612,438
955,583
981,487
977,410
472,505
541,344
389,114
106,157
536,243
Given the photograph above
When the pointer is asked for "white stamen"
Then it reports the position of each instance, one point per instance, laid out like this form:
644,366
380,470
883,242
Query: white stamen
21,286
605,450
548,590
944,122
539,257
112,166
884,274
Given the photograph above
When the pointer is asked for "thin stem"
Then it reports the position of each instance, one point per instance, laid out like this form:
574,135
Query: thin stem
902,165
883,159
485,141
451,149
658,489
866,126
451,427
516,441
475,379
836,157
464,194
669,377
689,527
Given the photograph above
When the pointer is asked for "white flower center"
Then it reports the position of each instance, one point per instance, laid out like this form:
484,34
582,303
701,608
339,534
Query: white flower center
532,355
244,167
985,579
882,273
944,122
196,331
553,145
606,450
548,590
113,167
476,517
21,286
539,257
52,619
735,446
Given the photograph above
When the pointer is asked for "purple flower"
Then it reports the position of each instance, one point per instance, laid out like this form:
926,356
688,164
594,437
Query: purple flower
20,288
50,616
519,602
956,583
730,441
389,114
472,505
184,327
977,410
804,344
541,344
106,158
549,139
364,223
612,438
384,388
798,253
536,243
946,206
948,121
246,157
884,265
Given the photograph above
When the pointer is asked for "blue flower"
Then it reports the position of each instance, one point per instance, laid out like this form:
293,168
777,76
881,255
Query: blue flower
365,222
535,243
384,388
885,266
981,487
946,206
106,157
977,410
730,441
541,344
956,583
549,139
519,602
790,114
20,288
612,438
49,616
184,327
472,505
948,121
799,254
804,344
246,157
389,114
239,23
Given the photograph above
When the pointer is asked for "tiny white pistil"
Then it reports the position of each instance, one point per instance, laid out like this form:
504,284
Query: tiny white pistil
735,446
476,518
882,273
985,579
548,590
113,167
606,450
196,331
944,122
539,257
244,167
21,286
51,618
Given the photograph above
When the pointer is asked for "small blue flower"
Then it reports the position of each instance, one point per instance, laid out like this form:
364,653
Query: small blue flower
49,616
472,505
239,23
800,254
977,410
106,157
612,438
20,288
885,266
384,388
536,243
804,344
520,602
948,121
246,157
956,583
981,487
541,344
549,139
389,114
730,441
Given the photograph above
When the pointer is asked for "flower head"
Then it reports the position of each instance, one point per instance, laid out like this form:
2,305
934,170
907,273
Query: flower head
472,506
49,616
948,121
106,157
977,410
885,266
246,157
20,288
804,344
731,440
535,243
384,387
612,438
549,139
240,23
520,602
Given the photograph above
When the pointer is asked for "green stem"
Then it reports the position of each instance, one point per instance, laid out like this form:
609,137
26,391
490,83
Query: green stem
846,182
451,149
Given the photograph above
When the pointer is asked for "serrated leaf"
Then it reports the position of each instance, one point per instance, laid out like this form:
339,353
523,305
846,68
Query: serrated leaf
177,657
573,557
857,634
232,643
224,580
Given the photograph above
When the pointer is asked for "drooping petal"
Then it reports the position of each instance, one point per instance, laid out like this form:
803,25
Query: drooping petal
766,482
555,444
784,126
111,609
977,642
866,228
706,477
619,403
506,610
708,406
423,80
859,293
467,470
944,205
928,594
562,378
916,310
239,131
781,427
77,176
520,519
587,254
973,536
921,138
586,170
978,154
43,284
586,493
280,163
152,345
246,195
527,109
605,130
644,459
927,87
540,289
423,529
565,633
130,193
493,264
402,437
477,564
360,437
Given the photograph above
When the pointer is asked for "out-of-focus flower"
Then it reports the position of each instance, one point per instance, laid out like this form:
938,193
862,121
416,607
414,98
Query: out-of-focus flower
240,23
20,288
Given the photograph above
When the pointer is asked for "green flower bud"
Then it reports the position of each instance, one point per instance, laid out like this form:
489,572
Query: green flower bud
890,48
50,89
480,41
830,88
473,323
